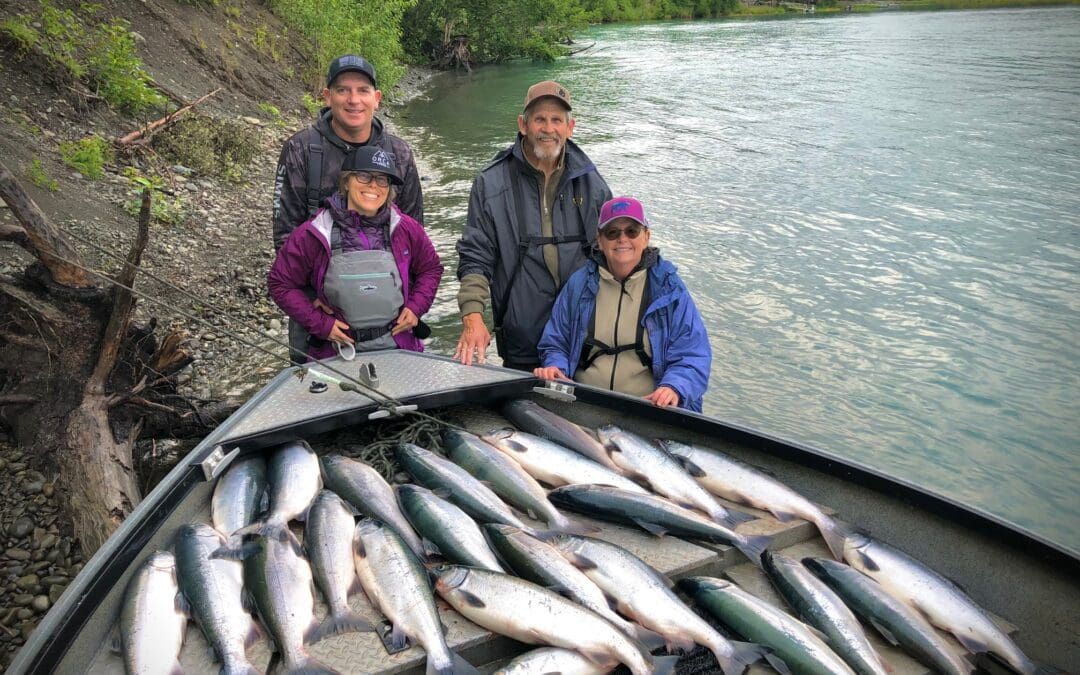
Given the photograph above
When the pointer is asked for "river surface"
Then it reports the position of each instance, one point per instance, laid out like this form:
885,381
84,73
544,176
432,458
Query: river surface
878,217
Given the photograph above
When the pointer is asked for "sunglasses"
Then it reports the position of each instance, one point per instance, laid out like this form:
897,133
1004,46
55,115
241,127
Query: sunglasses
632,232
366,177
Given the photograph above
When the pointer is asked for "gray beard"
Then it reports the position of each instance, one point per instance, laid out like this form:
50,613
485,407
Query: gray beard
542,153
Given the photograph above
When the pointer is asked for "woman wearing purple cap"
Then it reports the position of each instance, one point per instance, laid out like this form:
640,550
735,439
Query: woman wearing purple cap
374,269
626,321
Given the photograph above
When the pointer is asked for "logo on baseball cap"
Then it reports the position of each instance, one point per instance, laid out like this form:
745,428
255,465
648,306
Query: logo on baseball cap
622,207
547,88
372,158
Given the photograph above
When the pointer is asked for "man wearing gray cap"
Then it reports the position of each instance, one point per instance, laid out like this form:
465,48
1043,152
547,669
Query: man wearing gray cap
532,215
310,163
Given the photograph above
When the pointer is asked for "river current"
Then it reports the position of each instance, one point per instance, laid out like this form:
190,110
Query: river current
878,217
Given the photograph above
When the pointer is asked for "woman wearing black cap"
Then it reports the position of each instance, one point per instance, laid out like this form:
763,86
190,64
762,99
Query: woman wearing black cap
374,269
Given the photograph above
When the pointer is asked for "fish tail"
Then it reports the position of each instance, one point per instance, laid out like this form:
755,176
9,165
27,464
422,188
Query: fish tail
732,517
341,622
309,665
664,665
834,532
753,546
456,666
741,656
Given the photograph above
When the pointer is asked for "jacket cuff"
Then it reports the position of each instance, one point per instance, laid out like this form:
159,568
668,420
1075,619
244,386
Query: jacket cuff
471,307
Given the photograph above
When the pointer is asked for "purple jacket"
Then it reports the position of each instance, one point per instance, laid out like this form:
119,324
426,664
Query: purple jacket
304,258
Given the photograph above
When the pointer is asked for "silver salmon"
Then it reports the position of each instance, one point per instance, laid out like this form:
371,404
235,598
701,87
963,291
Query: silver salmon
819,606
790,640
278,580
654,514
328,539
506,478
362,486
397,584
736,481
646,596
294,477
938,599
551,660
897,623
462,488
447,530
496,602
153,618
239,496
540,421
664,473
212,587
554,464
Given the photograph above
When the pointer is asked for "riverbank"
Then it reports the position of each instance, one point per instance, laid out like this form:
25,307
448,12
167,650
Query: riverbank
777,8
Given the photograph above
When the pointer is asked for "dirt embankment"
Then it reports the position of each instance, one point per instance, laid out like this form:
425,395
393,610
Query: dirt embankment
218,251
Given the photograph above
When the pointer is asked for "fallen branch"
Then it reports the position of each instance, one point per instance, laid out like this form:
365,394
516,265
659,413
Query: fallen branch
583,49
123,300
18,399
130,138
43,240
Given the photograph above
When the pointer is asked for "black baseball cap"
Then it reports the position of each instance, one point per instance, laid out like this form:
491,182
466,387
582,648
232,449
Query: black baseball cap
372,158
350,63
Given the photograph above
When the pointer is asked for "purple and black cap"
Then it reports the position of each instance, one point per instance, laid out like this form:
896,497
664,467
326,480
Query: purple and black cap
350,63
622,207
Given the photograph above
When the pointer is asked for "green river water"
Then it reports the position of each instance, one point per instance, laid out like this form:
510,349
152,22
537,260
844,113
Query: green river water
878,216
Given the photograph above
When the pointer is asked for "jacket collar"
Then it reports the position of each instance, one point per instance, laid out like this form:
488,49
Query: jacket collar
575,162
322,125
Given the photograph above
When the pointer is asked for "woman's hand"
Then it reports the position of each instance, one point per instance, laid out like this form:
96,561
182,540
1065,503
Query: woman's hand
550,373
405,321
663,397
340,332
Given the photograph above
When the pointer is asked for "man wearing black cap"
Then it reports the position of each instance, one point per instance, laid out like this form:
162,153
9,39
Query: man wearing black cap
310,162
532,215
311,159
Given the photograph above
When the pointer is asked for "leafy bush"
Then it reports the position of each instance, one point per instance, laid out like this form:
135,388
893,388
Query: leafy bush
37,175
311,104
87,156
162,209
209,146
101,53
371,28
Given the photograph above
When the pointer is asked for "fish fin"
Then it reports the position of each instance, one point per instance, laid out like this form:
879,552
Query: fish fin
471,599
275,658
254,634
972,645
651,528
563,591
358,548
441,493
818,632
833,535
600,658
516,447
753,546
742,655
733,517
688,464
461,666
430,548
665,665
309,665
116,644
345,622
783,516
778,664
398,638
650,638
177,669
683,644
244,551
572,526
531,513
579,561
247,601
181,604
885,632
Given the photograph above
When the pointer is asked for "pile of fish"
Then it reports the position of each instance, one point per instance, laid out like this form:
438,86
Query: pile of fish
459,533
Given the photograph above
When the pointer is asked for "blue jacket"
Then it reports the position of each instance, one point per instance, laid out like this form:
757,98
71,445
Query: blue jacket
682,357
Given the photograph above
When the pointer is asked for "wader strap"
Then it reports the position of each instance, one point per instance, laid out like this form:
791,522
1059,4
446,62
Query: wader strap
586,359
314,175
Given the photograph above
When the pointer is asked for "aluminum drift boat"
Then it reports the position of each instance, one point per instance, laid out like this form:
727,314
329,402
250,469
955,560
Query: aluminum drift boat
1031,585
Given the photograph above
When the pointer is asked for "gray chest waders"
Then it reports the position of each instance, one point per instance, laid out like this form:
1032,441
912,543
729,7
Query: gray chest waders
366,287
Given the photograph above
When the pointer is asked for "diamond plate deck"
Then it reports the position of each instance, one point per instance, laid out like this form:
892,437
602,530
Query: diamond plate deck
402,374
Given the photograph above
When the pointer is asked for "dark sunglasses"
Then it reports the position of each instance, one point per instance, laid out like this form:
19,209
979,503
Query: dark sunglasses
632,231
366,177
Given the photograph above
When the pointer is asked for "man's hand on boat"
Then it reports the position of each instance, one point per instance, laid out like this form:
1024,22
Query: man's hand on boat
664,397
405,321
474,341
550,373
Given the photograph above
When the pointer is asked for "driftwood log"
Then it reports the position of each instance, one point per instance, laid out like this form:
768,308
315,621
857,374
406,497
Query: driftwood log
78,381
